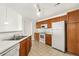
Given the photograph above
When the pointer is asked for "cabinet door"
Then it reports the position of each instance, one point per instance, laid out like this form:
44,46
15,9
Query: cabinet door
27,46
38,25
48,39
73,16
36,36
23,48
71,38
77,34
30,43
49,24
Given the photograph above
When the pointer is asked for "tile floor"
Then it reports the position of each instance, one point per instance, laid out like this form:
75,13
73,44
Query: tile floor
40,49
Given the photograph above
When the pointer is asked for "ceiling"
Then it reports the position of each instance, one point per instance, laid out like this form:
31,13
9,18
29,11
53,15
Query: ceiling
28,11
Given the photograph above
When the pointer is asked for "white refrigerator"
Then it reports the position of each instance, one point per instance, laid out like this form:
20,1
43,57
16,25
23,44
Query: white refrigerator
58,35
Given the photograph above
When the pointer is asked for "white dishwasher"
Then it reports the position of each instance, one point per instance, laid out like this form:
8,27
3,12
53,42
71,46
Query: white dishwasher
12,51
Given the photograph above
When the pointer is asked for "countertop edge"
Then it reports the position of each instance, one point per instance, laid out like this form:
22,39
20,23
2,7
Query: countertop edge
17,41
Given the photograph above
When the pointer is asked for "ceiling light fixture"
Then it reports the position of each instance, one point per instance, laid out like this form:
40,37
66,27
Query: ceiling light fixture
37,9
57,4
5,23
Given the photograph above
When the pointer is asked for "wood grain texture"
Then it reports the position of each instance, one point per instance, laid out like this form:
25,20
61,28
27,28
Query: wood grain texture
25,46
22,51
36,36
73,16
71,38
48,39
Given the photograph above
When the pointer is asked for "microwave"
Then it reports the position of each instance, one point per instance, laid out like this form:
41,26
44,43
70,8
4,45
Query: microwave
44,26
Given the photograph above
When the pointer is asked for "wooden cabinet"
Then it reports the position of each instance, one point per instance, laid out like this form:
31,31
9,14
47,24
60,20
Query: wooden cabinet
49,25
73,38
29,42
48,22
25,46
77,34
36,36
48,39
73,16
73,32
60,18
38,25
22,51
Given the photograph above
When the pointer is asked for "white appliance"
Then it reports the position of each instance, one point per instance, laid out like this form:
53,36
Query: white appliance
58,35
42,33
42,37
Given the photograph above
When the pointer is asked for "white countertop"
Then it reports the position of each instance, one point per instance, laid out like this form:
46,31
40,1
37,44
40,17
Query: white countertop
4,45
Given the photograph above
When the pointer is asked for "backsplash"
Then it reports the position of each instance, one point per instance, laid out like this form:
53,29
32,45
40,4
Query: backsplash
7,35
49,30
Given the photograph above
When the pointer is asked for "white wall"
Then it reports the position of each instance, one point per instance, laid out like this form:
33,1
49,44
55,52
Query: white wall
33,28
27,26
6,35
27,30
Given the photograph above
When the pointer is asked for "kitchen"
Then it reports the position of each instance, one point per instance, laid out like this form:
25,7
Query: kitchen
37,29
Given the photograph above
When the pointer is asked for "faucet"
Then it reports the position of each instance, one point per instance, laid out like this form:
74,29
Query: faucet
14,36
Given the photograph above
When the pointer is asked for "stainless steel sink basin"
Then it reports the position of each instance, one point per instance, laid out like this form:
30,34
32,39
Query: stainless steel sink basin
18,37
15,38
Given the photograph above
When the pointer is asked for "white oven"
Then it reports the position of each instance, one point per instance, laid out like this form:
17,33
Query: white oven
42,37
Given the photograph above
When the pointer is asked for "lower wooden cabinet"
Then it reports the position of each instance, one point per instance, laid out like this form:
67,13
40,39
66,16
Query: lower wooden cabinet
48,39
25,46
29,43
36,36
22,51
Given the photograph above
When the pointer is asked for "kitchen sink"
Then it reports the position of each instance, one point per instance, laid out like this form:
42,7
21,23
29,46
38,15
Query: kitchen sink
15,38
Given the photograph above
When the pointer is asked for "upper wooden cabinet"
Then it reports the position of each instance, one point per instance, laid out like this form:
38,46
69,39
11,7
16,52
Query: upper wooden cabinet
38,25
48,39
48,22
73,16
63,18
60,18
49,25
56,19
